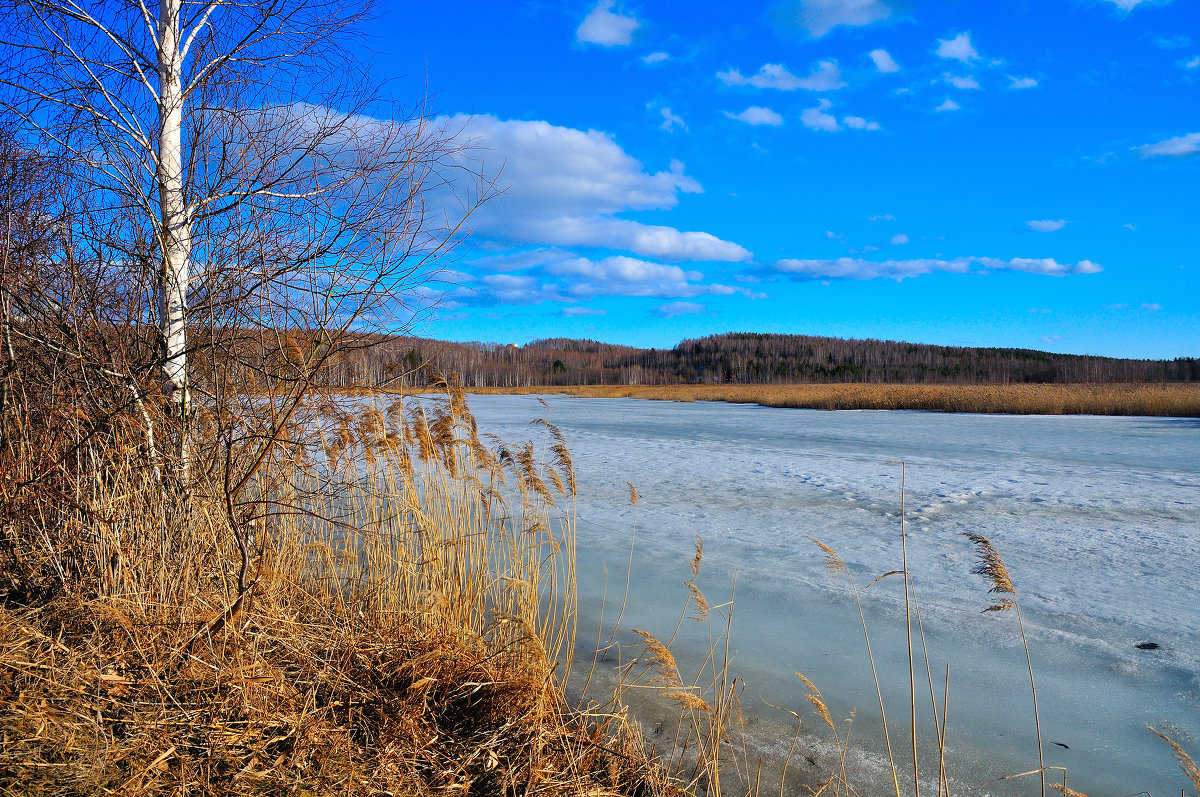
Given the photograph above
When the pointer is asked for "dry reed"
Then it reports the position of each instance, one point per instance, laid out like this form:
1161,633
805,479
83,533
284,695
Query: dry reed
407,630
1174,400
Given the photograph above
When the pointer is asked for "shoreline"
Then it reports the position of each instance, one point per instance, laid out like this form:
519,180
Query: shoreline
1175,400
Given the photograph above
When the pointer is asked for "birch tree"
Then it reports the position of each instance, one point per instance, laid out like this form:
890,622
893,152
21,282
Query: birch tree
237,175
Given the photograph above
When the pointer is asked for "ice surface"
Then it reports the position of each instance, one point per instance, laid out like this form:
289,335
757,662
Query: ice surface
1098,519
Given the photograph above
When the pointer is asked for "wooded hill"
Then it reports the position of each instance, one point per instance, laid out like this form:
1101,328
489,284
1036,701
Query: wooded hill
739,358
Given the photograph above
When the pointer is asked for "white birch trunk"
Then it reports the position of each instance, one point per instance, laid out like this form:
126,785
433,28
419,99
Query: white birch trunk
175,237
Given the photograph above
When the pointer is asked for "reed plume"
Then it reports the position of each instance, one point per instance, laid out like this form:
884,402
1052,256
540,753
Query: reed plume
659,657
1185,761
991,566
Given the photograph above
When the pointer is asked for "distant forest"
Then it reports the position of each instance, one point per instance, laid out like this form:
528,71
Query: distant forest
737,358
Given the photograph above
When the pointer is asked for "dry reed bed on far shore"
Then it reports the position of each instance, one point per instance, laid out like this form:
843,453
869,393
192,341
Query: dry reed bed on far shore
1168,400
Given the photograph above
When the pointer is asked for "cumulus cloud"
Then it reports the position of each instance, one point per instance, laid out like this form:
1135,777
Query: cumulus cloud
1021,82
959,82
621,270
1047,225
948,105
550,274
676,309
959,48
858,123
819,17
655,57
757,115
1151,306
825,76
884,61
818,119
861,269
602,26
1173,147
565,187
899,239
1193,64
882,217
672,121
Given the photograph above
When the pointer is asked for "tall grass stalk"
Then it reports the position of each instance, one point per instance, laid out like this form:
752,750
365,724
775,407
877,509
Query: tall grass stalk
836,566
991,567
912,688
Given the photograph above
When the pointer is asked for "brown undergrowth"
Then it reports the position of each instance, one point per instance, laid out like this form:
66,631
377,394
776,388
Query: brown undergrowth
408,627
1174,400
409,620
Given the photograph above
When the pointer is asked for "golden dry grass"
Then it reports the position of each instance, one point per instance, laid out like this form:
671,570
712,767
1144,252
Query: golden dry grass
411,613
1176,400
408,631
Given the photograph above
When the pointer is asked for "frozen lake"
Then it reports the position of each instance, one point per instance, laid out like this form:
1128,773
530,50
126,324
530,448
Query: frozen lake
1097,518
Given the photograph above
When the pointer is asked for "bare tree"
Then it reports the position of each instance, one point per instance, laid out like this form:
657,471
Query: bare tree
252,199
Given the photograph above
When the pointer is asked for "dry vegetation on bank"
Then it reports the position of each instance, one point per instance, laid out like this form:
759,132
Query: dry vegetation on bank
409,595
407,628
1172,400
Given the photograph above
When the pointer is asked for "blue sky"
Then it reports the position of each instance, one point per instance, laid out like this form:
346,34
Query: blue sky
1002,174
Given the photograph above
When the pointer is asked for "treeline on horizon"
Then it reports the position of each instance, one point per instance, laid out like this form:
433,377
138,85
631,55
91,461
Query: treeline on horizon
731,358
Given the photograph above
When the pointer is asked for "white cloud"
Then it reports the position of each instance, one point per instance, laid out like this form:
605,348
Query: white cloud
825,76
882,217
672,121
623,270
948,105
1021,82
1173,147
603,27
1043,265
564,187
1047,225
576,312
1193,64
899,239
1152,307
818,17
858,123
818,119
884,61
656,57
556,275
960,82
1129,5
757,115
959,48
860,269
1172,42
676,309
1131,227
511,288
